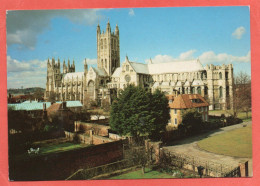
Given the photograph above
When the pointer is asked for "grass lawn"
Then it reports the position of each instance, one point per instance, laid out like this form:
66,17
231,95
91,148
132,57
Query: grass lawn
241,115
138,175
236,143
61,147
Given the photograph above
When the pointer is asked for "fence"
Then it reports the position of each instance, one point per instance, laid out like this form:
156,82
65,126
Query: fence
209,168
84,174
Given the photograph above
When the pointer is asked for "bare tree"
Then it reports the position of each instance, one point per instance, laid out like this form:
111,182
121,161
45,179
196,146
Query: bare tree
242,93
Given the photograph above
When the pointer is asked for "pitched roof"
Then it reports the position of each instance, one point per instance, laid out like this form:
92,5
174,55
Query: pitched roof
186,101
100,71
54,108
39,105
73,75
117,72
139,68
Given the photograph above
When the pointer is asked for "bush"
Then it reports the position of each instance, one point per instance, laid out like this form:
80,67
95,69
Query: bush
231,120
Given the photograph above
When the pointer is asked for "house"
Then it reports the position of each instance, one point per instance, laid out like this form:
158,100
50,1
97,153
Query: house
181,102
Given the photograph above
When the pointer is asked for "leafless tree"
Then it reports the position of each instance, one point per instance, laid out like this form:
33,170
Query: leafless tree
242,93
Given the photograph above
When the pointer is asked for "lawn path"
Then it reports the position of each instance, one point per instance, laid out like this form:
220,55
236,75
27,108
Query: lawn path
189,147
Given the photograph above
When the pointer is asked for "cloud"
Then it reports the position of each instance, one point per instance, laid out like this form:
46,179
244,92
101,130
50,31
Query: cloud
205,58
131,12
211,57
26,73
239,32
167,58
90,61
24,26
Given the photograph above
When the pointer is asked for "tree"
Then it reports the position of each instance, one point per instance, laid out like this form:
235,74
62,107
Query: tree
138,112
38,94
242,94
52,97
191,121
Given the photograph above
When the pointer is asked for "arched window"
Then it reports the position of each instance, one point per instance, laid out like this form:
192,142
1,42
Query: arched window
226,75
101,43
105,63
105,43
220,92
220,75
102,63
199,90
206,91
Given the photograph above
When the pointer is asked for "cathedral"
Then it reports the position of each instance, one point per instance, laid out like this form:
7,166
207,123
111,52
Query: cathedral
215,83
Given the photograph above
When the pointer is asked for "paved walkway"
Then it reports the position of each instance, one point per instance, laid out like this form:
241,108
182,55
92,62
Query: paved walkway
190,147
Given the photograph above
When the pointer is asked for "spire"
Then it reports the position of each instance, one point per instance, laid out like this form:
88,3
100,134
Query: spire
73,65
117,30
108,27
98,29
126,58
58,62
150,61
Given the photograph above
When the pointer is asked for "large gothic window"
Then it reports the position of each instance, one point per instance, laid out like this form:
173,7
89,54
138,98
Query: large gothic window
226,75
220,75
220,92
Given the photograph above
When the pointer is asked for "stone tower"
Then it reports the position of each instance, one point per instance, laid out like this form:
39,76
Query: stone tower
108,54
53,76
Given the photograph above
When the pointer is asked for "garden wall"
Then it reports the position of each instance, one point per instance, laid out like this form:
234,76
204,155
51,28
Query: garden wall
101,130
60,165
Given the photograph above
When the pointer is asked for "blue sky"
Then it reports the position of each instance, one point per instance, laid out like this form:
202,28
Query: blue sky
213,34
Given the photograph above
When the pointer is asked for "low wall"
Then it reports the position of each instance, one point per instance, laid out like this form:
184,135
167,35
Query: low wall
87,139
115,136
60,165
101,130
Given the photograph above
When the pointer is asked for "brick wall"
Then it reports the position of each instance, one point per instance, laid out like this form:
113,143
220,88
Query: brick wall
60,165
101,130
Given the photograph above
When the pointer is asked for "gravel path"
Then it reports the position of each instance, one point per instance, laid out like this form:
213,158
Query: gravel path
190,147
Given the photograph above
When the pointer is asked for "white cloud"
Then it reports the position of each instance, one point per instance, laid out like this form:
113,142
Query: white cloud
239,32
24,26
205,58
26,73
167,58
90,61
211,57
131,12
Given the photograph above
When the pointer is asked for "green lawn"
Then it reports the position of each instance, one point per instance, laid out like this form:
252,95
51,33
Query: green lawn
138,175
61,147
241,115
237,143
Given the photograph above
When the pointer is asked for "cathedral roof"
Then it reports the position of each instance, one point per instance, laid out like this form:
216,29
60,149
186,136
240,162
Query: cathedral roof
117,72
140,68
170,67
73,75
175,67
100,71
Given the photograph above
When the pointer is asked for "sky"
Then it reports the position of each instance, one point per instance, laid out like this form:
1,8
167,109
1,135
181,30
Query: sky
215,35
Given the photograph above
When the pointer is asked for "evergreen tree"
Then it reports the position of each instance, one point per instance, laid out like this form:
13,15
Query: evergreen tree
137,112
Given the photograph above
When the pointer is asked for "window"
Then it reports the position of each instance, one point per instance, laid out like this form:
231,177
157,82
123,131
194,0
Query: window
106,63
220,75
175,121
175,111
199,90
192,90
220,92
226,75
127,67
206,91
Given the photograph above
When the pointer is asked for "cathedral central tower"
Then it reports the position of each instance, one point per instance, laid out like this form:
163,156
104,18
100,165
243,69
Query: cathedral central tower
108,53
